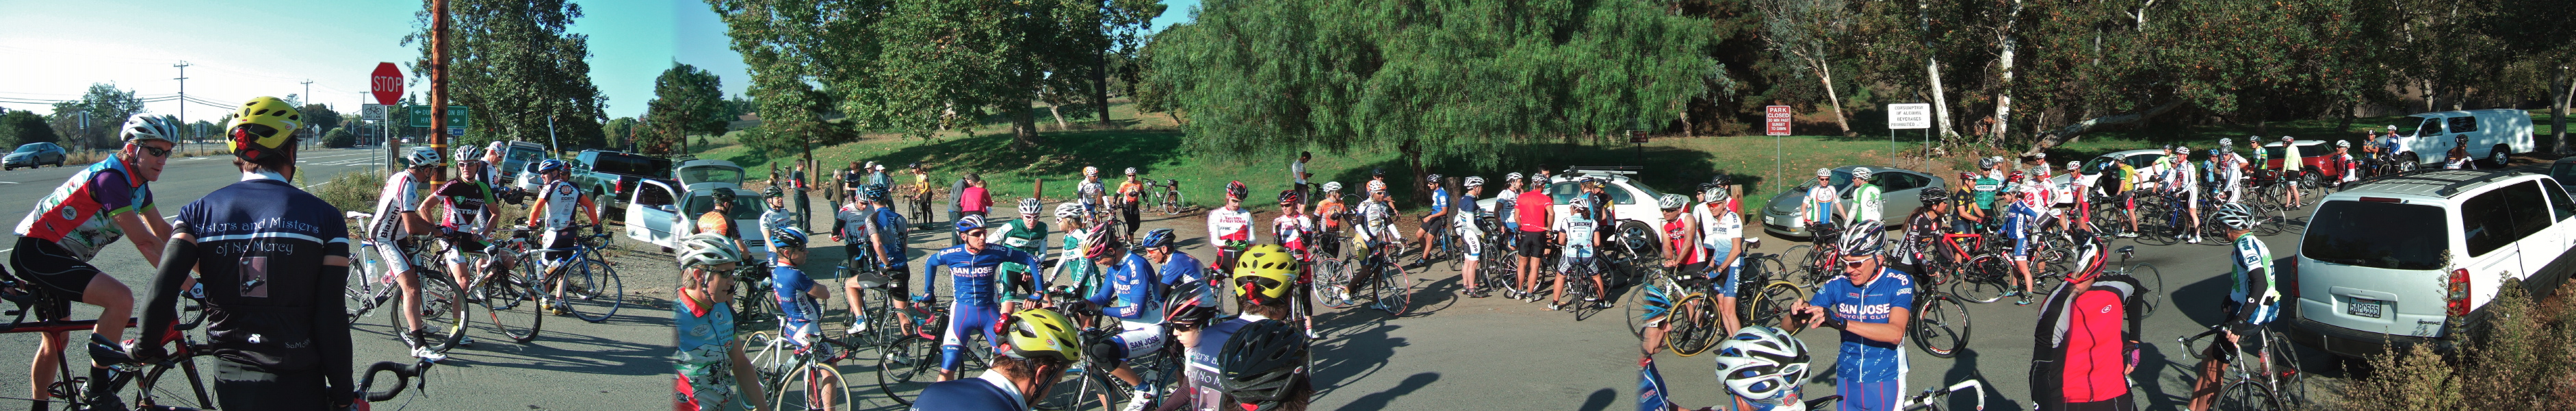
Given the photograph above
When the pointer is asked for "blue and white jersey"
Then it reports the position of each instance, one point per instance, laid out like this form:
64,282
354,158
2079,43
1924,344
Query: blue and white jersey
1439,200
2018,219
1135,292
798,311
1861,359
973,274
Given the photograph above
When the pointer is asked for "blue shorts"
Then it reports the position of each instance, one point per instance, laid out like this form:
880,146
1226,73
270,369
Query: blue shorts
1869,396
2021,248
961,320
1728,275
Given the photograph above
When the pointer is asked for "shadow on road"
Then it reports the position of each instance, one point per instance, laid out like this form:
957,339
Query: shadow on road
1378,400
1359,342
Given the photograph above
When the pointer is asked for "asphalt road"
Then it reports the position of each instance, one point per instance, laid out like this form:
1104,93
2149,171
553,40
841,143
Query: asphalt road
1461,353
616,365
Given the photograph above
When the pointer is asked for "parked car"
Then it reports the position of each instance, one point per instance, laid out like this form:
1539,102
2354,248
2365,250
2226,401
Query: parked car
2148,162
662,211
1633,211
614,176
518,161
2564,170
2494,134
32,155
1901,187
2416,260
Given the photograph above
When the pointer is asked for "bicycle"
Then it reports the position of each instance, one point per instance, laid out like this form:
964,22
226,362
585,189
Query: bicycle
2272,382
1094,387
1932,399
902,364
786,365
1940,323
592,290
1965,261
920,199
2149,280
1389,288
1168,198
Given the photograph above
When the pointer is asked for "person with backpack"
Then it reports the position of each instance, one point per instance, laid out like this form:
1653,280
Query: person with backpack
2087,338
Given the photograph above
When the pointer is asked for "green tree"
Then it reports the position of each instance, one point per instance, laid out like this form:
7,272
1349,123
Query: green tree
1439,80
339,138
1809,34
22,127
319,116
516,66
620,132
686,101
106,107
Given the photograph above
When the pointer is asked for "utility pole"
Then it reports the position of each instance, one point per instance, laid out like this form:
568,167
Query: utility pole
183,97
438,87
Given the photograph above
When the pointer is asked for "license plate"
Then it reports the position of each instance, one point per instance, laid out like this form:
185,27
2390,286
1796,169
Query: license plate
2363,308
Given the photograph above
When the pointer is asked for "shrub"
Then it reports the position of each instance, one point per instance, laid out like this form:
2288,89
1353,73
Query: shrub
339,138
352,191
2526,361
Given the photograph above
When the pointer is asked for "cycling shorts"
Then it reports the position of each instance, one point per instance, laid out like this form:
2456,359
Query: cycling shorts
559,238
2021,249
1473,240
2233,310
1869,396
1136,339
1729,275
457,253
1533,244
963,319
53,268
2124,402
1579,266
2129,200
396,254
1436,224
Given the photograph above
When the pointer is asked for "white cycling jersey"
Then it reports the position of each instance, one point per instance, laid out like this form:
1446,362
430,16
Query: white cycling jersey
562,199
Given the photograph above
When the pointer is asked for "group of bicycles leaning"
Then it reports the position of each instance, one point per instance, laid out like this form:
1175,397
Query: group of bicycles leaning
258,266
1105,305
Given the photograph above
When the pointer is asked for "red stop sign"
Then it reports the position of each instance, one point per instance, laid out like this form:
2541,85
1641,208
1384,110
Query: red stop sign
386,83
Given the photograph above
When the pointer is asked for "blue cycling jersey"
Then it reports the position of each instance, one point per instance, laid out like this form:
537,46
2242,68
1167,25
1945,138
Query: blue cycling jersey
1862,359
1182,268
1136,293
972,273
986,393
797,310
1439,200
2018,219
889,225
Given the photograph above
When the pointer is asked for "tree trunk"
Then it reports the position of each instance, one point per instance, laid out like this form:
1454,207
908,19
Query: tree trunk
1412,150
2558,96
1825,74
1058,112
1932,71
1100,88
2069,133
2003,100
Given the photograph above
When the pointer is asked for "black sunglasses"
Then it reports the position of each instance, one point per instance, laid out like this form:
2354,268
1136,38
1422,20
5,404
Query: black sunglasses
154,151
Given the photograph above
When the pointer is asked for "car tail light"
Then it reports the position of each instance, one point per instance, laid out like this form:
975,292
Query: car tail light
2455,296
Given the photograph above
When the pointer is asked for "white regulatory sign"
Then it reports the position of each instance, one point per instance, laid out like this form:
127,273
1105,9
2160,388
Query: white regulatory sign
1909,116
374,112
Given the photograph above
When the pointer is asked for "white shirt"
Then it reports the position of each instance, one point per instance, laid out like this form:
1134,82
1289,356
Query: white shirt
401,194
1718,228
561,199
1298,168
1223,223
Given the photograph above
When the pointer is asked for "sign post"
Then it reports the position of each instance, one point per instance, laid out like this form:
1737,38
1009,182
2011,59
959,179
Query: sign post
1637,140
1910,116
1775,122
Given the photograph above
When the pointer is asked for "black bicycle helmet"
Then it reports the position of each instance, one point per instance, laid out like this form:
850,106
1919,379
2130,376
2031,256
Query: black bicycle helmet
723,196
1189,304
1260,363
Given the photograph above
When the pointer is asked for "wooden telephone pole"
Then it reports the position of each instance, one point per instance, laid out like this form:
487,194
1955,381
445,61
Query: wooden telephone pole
438,87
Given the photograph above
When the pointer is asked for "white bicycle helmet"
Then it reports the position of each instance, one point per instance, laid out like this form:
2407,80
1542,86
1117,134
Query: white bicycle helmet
1762,363
1474,181
2227,142
1861,173
707,250
144,127
2343,143
1131,171
421,156
1581,205
1068,210
2236,216
2182,150
2072,164
1512,177
1088,171
1375,186
1860,242
1670,201
1029,206
1824,172
1332,186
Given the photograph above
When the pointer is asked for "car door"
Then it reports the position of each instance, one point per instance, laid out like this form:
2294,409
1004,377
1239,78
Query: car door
1903,193
2563,216
2541,241
653,214
2490,241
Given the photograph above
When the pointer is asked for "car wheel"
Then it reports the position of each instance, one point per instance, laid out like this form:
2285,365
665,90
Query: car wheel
2407,162
2500,155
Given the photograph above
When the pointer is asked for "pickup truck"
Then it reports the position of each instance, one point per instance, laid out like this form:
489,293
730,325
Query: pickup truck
611,177
665,210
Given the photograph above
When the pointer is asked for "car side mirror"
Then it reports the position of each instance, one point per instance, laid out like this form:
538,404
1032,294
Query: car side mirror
667,208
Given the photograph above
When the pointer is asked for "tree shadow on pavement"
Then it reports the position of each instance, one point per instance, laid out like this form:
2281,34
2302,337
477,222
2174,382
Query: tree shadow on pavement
1378,400
1963,368
1360,346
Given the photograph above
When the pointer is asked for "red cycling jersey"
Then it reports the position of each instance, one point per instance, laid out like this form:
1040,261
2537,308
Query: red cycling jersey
2096,355
1532,209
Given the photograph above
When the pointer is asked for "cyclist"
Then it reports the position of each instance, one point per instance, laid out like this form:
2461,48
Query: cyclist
800,316
2252,299
703,318
1433,221
1293,227
1131,198
1230,227
2182,184
2342,165
1820,203
1176,267
273,261
2036,164
1763,369
1134,298
2458,158
778,215
2078,197
1682,256
1921,230
1721,236
1329,217
1531,214
882,232
1868,201
1041,348
396,221
1503,201
2086,338
2231,171
971,268
1971,211
554,212
1578,237
469,206
1870,304
1085,278
1376,231
1263,367
718,219
1091,193
1471,239
2290,170
1263,278
2020,223
1027,234
2393,146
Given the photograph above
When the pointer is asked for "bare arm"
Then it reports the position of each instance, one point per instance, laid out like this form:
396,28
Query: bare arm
1891,332
147,234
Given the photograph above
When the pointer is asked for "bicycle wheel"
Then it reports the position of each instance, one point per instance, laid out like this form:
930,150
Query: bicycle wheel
2289,385
1393,291
362,290
442,313
1940,325
1771,304
593,290
1692,326
1082,389
810,387
1804,254
1637,302
905,366
1450,250
2153,227
1331,276
503,298
1984,279
2150,283
2247,396
771,359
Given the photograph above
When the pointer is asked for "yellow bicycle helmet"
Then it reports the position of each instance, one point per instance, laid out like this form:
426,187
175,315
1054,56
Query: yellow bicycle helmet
1265,272
264,127
1039,332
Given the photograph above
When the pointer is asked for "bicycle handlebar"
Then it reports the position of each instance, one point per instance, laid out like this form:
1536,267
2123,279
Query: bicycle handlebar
403,374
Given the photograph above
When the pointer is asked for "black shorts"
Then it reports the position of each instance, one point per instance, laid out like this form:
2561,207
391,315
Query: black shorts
2124,402
1533,244
1436,225
52,268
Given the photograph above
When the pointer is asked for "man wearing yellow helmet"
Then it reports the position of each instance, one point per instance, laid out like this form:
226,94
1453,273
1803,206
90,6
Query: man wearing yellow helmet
98,205
1042,345
1264,279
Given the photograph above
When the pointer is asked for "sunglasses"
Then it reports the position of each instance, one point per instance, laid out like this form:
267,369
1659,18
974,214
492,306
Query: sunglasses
154,151
1850,264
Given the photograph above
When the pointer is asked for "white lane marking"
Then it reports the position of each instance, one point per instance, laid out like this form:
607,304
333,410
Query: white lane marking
9,182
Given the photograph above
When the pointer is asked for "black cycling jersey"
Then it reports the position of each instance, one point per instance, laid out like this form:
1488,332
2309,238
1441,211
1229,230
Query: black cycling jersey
271,304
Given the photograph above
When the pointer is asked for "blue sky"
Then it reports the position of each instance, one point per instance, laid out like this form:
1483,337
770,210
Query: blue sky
55,50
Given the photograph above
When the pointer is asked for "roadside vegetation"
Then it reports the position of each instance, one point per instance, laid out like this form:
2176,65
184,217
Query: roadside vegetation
2528,362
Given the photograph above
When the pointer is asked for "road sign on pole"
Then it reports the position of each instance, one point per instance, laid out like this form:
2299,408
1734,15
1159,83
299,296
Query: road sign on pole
420,116
373,112
1775,120
385,83
1909,116
456,131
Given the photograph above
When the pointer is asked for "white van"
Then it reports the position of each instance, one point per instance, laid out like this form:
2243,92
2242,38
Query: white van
2493,134
2416,258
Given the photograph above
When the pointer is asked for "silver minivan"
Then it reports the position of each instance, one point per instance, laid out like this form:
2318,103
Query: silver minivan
2415,258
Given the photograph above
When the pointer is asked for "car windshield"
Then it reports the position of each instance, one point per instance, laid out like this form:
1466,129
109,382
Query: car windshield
745,207
524,156
1649,192
2378,235
30,148
711,174
2563,172
1842,180
2407,126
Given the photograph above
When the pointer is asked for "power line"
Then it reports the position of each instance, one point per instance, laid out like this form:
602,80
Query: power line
183,93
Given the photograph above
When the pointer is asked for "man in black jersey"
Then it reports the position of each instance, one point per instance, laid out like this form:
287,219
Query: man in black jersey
273,260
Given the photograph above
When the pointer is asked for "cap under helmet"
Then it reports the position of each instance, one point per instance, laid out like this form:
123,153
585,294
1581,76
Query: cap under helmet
263,128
